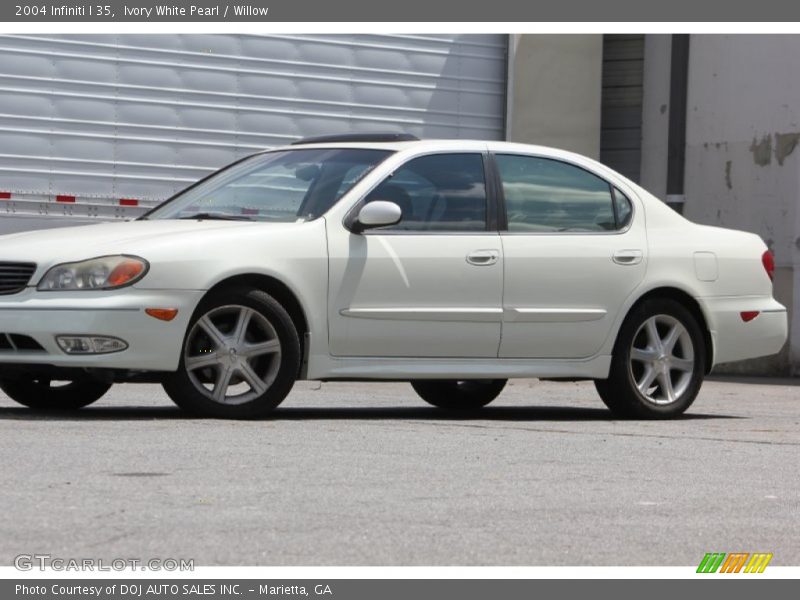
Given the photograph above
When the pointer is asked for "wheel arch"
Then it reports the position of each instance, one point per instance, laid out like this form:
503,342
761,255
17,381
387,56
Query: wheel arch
275,288
688,302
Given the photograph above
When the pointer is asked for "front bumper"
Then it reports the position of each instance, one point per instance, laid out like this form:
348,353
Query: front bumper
735,339
153,345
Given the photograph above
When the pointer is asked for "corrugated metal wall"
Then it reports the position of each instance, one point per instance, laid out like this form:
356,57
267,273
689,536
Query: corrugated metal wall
621,120
144,115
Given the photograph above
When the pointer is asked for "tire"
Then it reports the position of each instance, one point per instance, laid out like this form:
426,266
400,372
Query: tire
243,353
453,394
658,364
41,394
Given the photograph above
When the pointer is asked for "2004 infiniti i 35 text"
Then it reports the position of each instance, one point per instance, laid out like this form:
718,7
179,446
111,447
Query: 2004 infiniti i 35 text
454,265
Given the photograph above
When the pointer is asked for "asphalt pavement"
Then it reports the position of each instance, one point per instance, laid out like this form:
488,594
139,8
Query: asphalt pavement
367,474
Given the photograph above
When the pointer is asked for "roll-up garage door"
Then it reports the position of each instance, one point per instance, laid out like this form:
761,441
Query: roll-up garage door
621,129
138,117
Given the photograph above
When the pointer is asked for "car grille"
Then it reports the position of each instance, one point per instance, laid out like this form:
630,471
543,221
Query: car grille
17,342
15,276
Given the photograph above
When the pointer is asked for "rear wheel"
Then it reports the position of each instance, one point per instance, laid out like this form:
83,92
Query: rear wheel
658,364
240,358
46,394
454,394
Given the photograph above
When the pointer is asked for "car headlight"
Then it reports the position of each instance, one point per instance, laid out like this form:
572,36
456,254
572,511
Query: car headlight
103,273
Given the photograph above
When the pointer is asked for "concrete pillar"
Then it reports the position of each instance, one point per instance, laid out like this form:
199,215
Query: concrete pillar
554,95
655,114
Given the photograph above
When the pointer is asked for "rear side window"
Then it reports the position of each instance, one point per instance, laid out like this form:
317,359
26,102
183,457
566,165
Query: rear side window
438,192
546,195
624,209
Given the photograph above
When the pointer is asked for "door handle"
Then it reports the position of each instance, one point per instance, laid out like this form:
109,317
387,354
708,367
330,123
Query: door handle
627,257
482,258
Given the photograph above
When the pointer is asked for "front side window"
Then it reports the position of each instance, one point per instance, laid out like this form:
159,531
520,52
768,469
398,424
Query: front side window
283,186
545,195
438,192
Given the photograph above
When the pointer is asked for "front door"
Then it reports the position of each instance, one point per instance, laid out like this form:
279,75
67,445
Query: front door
430,286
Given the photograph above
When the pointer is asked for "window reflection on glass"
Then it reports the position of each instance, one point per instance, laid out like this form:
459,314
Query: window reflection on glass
277,186
544,195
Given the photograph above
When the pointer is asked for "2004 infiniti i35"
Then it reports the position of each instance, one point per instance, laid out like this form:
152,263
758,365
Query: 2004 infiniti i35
454,265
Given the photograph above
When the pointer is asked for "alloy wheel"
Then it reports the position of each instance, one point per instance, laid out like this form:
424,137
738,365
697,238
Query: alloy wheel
232,354
662,359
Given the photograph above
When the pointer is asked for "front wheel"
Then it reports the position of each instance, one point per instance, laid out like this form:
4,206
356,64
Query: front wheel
45,394
455,394
658,363
240,358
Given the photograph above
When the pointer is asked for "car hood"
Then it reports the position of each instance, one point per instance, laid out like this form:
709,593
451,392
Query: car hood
51,246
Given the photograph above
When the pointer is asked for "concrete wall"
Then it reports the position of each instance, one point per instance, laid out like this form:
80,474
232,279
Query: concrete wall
742,155
555,84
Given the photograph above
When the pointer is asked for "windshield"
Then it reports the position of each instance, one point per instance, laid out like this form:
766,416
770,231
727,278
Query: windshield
281,186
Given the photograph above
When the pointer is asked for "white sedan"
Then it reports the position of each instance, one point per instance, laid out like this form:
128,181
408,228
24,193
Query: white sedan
454,265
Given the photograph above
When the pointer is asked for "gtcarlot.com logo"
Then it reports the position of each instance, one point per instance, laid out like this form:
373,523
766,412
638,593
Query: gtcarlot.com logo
736,562
42,562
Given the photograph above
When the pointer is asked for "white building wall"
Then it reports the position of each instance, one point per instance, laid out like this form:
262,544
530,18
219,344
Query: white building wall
743,154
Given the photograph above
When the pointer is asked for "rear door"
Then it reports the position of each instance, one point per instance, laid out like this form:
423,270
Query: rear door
575,249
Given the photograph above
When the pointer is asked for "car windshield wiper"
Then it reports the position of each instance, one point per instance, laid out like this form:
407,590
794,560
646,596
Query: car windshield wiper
206,216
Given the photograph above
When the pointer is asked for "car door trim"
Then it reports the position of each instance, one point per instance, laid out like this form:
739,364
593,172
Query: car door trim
552,315
467,314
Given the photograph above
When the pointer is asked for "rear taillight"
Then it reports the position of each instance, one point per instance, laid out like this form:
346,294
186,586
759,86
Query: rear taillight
768,260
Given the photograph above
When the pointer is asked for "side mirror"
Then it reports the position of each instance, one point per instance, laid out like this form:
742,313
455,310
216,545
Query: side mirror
379,213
